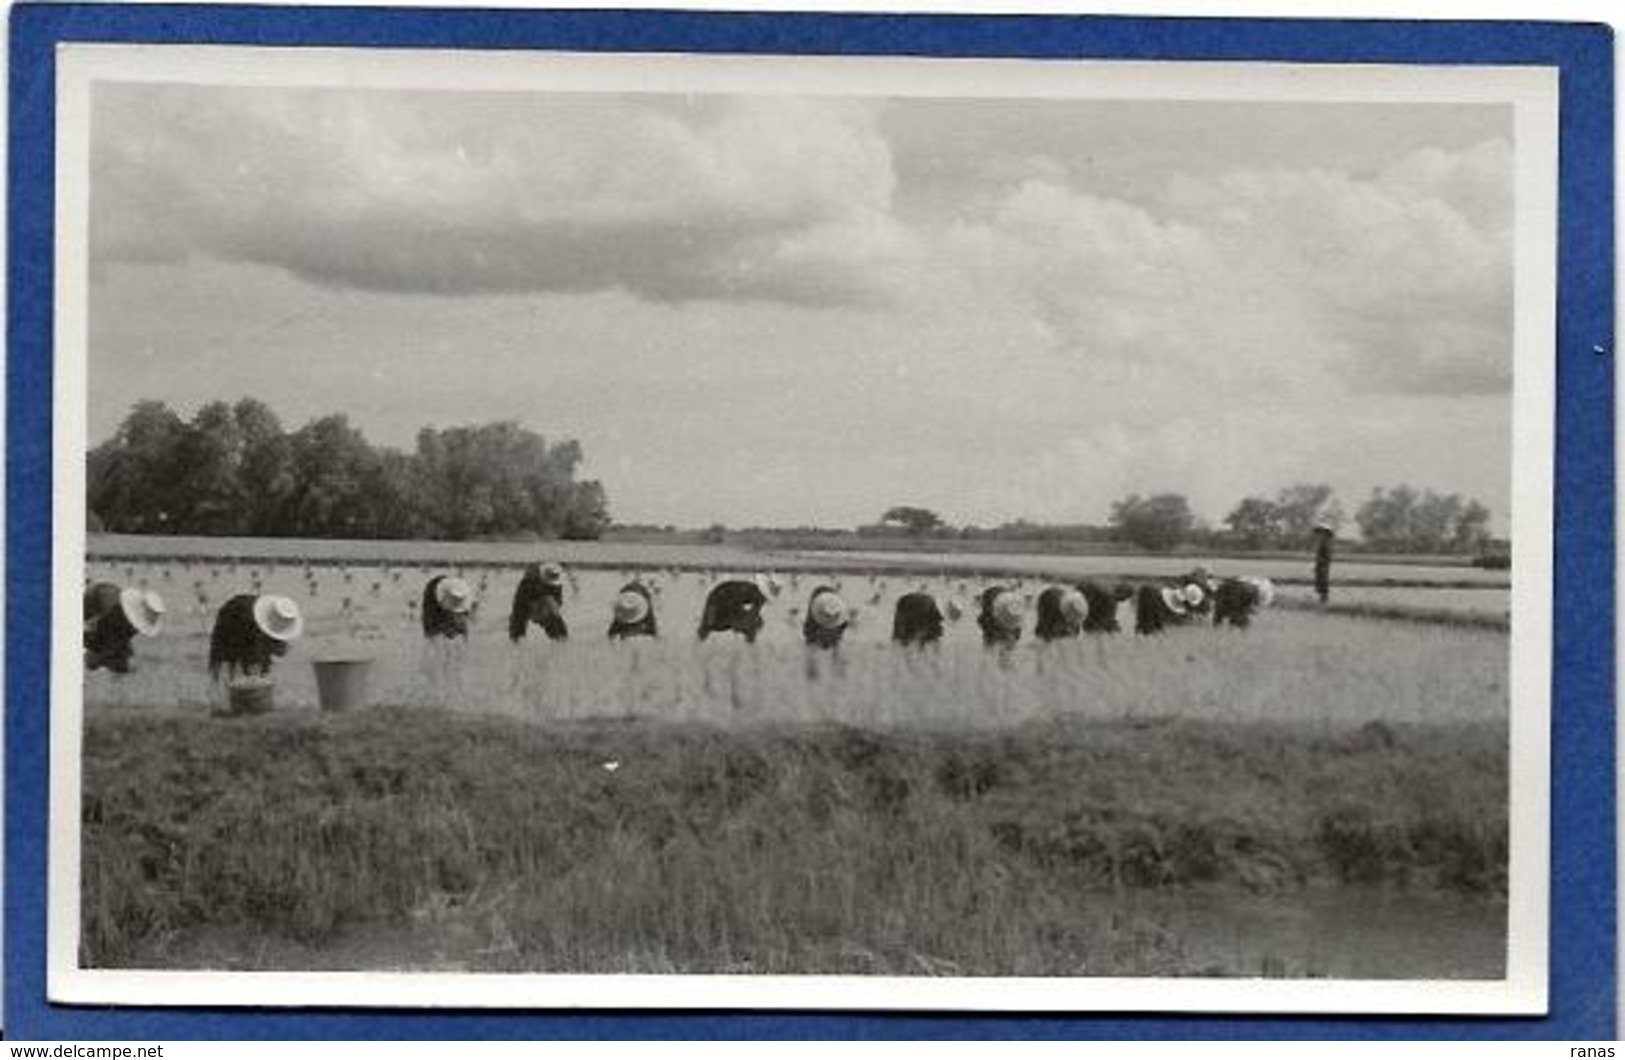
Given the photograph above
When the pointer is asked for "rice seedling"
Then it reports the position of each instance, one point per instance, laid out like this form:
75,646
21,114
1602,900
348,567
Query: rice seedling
671,805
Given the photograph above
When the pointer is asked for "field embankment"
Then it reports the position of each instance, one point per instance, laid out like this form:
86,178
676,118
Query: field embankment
1372,571
491,843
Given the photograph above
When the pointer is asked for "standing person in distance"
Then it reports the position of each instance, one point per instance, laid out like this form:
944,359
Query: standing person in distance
1323,560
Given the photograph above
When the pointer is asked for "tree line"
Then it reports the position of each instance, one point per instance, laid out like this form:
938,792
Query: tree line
1396,519
233,470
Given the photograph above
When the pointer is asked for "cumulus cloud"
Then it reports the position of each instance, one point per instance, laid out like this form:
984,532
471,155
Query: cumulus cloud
672,200
1102,277
1406,275
1397,281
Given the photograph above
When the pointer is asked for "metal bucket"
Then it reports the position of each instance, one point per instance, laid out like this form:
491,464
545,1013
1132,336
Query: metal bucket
249,696
341,684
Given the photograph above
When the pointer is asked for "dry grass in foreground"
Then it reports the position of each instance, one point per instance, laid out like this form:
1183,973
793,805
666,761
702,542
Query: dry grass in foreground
639,846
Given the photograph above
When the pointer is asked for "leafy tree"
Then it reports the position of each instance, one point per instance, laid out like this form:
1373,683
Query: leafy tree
1433,521
1300,507
134,483
209,459
1256,521
337,475
1385,517
1472,528
266,470
1156,523
234,470
917,521
1405,519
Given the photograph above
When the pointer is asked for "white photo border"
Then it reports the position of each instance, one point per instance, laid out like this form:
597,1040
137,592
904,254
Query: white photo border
1532,92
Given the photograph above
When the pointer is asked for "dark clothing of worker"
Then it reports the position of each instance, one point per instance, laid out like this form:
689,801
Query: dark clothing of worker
108,632
1151,613
816,634
1323,564
1052,623
238,645
537,601
733,607
620,629
916,620
995,634
1103,604
441,621
1235,602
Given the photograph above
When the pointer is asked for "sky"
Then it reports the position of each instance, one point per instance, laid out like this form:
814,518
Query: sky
783,310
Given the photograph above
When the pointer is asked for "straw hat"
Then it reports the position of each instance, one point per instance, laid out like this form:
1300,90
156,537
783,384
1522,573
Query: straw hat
631,607
827,610
1173,599
143,608
455,595
1265,588
1008,610
1194,595
1323,527
551,574
278,618
1075,606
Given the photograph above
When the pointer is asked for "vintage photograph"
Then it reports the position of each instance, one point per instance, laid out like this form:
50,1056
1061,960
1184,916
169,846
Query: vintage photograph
935,532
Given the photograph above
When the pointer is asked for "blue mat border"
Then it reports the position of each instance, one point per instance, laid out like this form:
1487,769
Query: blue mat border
1583,937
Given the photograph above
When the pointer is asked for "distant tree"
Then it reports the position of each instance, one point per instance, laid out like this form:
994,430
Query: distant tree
917,521
1405,519
209,461
1433,522
338,482
133,479
266,472
499,479
1385,517
1156,523
1472,529
233,470
1256,522
588,515
1299,508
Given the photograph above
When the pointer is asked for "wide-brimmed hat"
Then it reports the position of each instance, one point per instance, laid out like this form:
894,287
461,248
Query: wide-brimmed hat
1323,527
1194,594
278,618
1075,606
455,595
827,610
1265,589
1008,610
143,608
551,574
631,607
1173,599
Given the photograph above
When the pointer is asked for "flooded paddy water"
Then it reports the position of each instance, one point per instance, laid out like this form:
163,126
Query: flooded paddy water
1278,757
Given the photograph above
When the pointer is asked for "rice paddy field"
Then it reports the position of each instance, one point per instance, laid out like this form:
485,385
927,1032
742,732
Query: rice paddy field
1322,794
